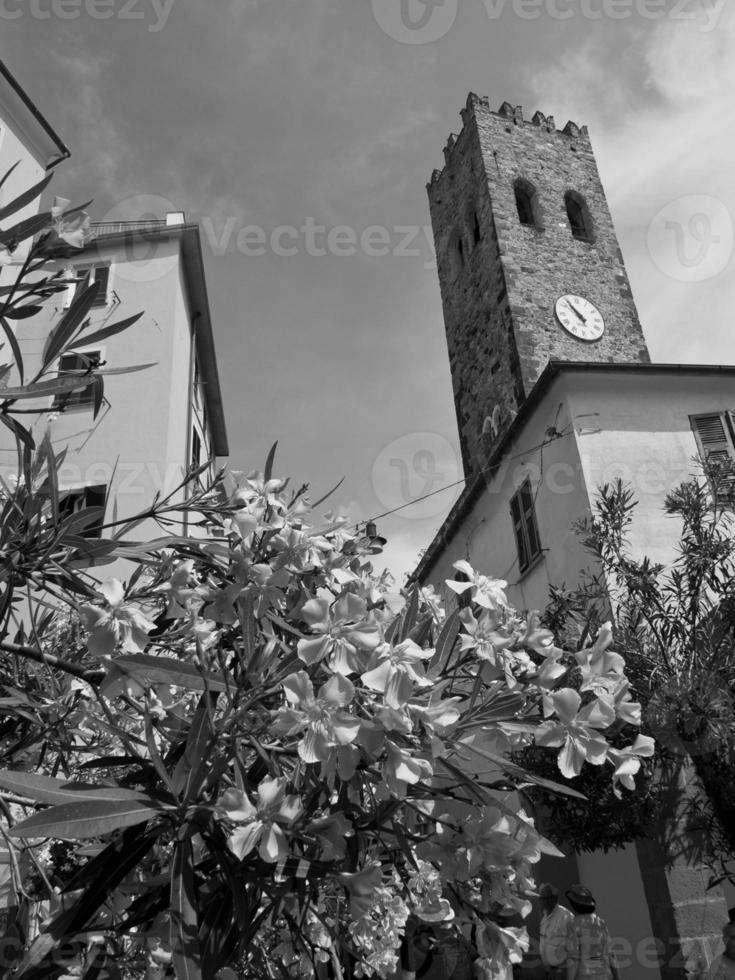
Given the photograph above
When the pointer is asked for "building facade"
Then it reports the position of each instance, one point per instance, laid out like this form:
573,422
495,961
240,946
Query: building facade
153,423
555,396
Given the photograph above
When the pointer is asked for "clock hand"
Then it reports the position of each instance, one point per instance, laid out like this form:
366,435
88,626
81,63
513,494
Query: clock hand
579,315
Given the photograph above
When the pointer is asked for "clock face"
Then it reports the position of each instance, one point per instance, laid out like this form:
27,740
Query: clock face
579,317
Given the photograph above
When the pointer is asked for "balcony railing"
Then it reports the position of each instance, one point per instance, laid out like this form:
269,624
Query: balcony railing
115,227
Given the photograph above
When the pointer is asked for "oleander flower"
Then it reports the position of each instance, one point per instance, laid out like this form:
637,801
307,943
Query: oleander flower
575,731
261,824
115,623
322,719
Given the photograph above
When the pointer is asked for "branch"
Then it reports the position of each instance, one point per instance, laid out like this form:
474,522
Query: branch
91,676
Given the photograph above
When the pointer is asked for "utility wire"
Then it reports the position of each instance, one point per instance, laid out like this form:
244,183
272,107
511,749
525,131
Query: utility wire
490,469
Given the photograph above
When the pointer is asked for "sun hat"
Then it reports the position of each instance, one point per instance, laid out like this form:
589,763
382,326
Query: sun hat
581,898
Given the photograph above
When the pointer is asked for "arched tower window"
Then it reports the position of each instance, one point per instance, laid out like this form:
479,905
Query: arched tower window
475,229
527,203
457,252
580,220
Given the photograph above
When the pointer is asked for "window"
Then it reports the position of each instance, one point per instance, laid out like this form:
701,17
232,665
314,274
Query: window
580,220
89,275
715,435
74,501
74,364
456,253
527,203
476,230
525,527
196,450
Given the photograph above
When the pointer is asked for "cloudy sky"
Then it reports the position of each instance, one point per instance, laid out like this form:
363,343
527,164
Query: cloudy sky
276,122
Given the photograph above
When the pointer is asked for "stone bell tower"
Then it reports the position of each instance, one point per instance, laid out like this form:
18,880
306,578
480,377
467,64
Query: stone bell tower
529,264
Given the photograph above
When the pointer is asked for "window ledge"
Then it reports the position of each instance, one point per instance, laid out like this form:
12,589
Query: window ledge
537,560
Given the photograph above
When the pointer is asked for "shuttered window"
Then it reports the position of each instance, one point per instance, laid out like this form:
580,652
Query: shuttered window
715,435
89,275
524,525
75,364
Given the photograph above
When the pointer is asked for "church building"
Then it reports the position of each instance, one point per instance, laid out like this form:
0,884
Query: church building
556,395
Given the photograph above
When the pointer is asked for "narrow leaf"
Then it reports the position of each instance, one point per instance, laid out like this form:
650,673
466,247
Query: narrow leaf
183,936
9,172
52,386
12,340
60,336
445,643
21,312
191,768
110,331
269,462
25,229
148,670
409,617
75,821
25,198
45,789
15,427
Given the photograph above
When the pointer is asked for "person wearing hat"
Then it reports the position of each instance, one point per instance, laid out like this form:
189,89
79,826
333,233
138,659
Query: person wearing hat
723,966
555,920
588,940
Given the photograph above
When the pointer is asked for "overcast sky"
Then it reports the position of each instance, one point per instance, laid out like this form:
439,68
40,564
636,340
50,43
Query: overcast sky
273,121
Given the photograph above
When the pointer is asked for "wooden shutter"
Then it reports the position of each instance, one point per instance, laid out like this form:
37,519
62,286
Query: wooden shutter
715,441
102,276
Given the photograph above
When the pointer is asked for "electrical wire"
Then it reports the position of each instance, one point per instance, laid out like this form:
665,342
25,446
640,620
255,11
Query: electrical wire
490,469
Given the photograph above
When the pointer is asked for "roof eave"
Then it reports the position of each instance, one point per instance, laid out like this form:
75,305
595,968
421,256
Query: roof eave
550,373
35,126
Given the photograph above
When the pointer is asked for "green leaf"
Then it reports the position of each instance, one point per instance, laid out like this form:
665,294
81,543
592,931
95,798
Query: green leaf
130,369
46,450
519,772
9,172
114,328
21,312
52,386
183,937
269,462
17,429
25,229
45,789
191,768
148,669
12,340
77,821
409,616
100,876
62,334
445,643
25,198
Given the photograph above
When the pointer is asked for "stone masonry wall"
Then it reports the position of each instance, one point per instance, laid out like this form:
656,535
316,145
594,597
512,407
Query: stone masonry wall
499,295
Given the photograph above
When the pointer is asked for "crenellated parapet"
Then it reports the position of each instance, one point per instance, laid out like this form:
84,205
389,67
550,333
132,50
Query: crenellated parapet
479,105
